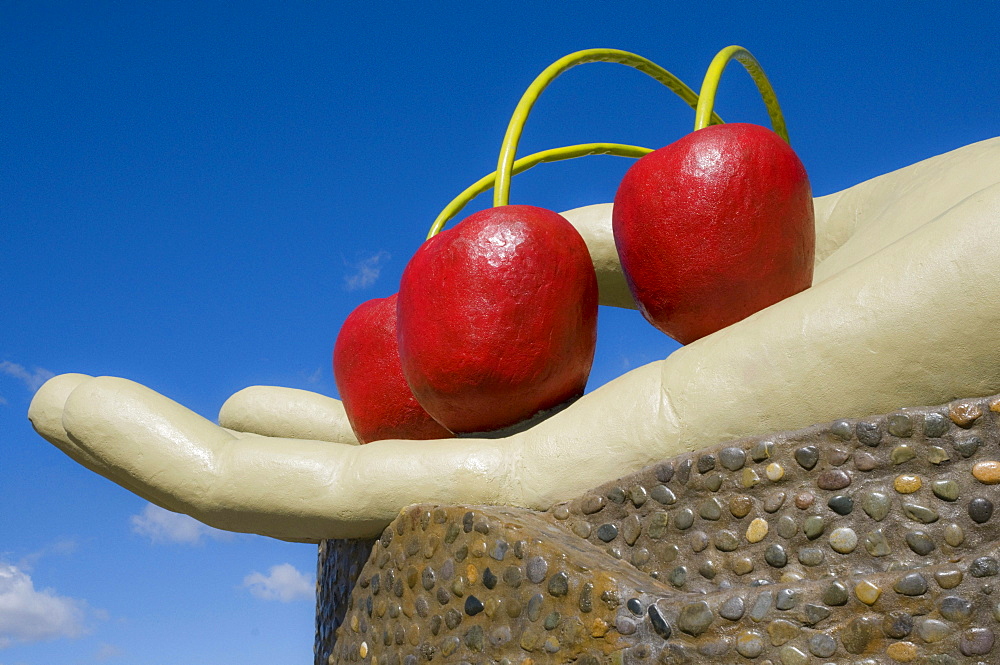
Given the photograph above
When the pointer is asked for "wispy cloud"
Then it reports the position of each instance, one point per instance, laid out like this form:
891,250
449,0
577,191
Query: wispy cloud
365,272
283,582
164,526
32,379
62,548
316,376
106,652
31,615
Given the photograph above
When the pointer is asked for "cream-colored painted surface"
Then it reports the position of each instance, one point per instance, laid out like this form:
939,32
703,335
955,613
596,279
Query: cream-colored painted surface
594,224
901,313
287,412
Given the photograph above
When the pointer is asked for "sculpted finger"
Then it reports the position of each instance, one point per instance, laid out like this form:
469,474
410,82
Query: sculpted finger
287,412
290,489
594,224
46,409
857,222
46,415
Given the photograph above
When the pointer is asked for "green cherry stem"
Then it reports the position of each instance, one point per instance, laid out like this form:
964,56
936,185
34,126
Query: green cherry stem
505,165
704,114
525,163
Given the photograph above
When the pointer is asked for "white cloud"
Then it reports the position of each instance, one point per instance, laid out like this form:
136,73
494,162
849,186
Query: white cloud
33,379
365,272
30,615
283,582
164,526
62,547
3,400
107,651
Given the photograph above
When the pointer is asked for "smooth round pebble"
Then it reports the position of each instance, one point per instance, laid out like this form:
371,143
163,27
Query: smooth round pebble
843,540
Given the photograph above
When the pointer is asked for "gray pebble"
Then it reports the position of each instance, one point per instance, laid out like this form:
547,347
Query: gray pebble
695,618
786,599
897,624
935,425
976,642
842,504
807,457
822,645
932,630
710,509
919,513
868,433
984,566
946,490
967,445
980,510
732,609
732,458
912,584
811,556
920,542
607,532
787,527
841,429
663,494
775,555
684,519
900,425
761,606
813,527
955,608
876,544
537,568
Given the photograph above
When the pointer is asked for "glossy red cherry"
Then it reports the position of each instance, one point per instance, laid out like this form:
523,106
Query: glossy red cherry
714,228
369,377
498,318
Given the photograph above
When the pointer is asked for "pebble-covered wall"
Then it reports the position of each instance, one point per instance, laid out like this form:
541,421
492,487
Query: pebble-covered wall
859,541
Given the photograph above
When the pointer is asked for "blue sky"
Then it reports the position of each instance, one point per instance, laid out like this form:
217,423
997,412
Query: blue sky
195,196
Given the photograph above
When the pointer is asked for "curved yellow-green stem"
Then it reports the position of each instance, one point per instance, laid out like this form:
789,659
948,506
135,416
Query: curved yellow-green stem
704,115
525,163
505,164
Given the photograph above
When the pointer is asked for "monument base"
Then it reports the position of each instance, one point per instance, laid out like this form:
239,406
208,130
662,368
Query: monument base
868,540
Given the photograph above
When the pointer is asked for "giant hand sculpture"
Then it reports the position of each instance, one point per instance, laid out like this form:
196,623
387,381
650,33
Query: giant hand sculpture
901,311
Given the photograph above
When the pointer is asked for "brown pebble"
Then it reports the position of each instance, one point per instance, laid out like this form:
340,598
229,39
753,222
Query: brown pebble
987,472
803,500
740,506
964,413
902,652
599,628
742,565
834,479
757,530
907,483
948,578
774,501
864,461
867,592
838,456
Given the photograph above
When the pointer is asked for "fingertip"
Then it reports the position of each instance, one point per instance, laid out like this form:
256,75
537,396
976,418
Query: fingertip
46,409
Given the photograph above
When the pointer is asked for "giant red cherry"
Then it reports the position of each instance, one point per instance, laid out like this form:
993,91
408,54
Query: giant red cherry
498,318
713,228
378,402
